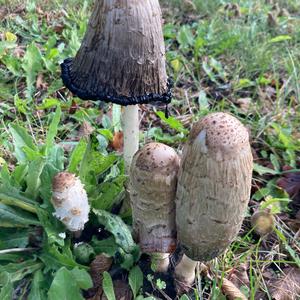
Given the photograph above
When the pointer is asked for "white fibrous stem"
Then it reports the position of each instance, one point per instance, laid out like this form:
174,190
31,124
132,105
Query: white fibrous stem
160,262
70,201
185,272
130,122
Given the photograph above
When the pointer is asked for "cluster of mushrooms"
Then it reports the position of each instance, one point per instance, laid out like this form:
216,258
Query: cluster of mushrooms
198,201
201,198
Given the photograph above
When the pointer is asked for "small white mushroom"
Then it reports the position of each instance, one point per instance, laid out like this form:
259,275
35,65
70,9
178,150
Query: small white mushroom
153,180
70,201
213,191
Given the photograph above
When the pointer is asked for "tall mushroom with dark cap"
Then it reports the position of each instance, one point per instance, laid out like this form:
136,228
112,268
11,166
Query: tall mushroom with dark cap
121,60
213,190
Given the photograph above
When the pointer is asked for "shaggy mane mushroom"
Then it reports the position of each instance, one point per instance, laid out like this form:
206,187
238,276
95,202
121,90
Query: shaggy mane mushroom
213,190
153,178
121,60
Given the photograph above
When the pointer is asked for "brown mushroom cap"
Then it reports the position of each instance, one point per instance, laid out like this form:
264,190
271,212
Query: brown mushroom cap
214,185
122,56
153,179
62,180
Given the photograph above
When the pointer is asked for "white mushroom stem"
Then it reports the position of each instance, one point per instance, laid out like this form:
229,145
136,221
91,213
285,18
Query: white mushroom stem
130,123
160,262
185,272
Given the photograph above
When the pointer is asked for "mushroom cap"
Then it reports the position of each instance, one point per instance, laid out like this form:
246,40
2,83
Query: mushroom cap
214,183
122,55
220,133
153,180
62,181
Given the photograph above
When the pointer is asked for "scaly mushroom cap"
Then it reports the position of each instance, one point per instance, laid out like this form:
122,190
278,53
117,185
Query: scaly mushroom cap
122,56
153,179
214,185
70,201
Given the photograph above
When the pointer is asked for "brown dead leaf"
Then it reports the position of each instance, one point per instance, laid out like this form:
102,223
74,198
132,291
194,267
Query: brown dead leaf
244,104
288,286
290,182
239,276
19,51
231,291
59,28
40,84
85,129
117,142
73,108
99,265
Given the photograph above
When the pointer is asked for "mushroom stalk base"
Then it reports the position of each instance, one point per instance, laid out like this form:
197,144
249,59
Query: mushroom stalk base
131,134
160,262
185,273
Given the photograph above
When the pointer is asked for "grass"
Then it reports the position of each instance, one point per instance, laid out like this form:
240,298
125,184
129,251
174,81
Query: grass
241,57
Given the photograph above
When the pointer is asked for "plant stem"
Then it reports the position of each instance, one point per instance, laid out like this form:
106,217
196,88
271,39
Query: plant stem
185,273
160,262
131,134
16,250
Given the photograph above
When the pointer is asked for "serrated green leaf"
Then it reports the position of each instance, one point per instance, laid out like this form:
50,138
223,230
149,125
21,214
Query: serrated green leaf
38,289
135,279
20,139
52,226
33,180
107,193
18,271
107,246
12,196
52,131
19,174
108,286
6,292
172,122
83,278
261,170
94,164
56,157
32,64
48,103
49,171
64,286
185,36
77,155
11,217
118,228
13,238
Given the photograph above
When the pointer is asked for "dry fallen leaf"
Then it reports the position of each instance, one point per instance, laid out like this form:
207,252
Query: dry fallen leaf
239,276
117,142
290,182
231,291
288,286
99,265
244,104
40,84
85,130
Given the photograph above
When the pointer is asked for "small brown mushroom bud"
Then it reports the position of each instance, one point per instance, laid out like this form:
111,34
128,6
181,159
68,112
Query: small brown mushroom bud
262,222
70,201
213,191
153,180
